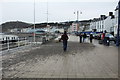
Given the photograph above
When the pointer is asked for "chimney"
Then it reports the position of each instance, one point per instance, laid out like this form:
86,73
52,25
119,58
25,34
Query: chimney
110,13
102,16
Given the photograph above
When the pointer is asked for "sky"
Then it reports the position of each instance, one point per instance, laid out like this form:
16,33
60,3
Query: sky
58,10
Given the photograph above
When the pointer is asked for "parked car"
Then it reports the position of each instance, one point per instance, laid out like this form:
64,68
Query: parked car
57,39
98,36
94,35
110,36
77,33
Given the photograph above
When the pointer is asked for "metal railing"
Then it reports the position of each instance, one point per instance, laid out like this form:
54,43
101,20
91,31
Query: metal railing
9,44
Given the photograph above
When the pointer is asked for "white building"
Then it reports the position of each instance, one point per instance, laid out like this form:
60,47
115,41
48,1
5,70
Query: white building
14,30
20,30
93,25
104,23
97,24
25,30
116,21
109,23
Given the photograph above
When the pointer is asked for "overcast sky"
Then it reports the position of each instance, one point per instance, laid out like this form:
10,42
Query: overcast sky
58,10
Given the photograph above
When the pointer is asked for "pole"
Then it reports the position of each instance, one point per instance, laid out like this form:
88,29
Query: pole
117,44
102,25
47,13
47,23
25,41
34,21
77,15
77,18
8,44
18,42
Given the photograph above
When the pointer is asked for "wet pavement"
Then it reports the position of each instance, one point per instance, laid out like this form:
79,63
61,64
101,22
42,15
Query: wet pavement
81,60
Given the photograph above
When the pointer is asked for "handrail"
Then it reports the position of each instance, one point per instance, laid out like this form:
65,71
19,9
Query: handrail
9,45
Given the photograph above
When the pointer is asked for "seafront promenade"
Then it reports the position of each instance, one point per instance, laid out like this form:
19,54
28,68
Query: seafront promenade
81,60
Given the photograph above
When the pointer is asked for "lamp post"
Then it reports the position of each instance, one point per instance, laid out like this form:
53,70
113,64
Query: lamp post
47,13
78,19
47,19
78,15
34,21
118,32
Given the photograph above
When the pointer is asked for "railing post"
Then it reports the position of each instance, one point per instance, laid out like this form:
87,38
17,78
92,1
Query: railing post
8,45
18,42
25,41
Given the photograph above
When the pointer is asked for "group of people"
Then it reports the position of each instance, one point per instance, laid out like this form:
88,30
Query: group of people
65,38
84,36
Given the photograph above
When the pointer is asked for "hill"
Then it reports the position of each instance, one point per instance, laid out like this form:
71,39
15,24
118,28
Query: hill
14,24
18,24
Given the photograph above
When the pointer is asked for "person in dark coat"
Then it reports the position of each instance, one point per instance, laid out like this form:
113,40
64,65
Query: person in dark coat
84,37
64,38
80,38
91,38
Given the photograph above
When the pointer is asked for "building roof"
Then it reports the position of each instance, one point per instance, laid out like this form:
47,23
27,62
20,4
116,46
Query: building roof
113,16
116,8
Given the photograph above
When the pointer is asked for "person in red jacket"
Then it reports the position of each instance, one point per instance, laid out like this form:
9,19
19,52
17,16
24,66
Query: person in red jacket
103,36
104,39
64,38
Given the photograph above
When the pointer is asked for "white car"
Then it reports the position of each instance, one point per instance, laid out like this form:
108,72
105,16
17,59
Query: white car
57,39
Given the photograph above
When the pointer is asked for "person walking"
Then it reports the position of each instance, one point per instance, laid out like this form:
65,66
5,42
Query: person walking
84,37
91,37
103,38
64,38
80,36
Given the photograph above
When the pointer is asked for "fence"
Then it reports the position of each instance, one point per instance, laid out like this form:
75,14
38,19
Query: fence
9,45
26,41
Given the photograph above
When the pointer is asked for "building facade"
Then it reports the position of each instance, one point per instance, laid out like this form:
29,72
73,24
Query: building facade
97,24
116,21
103,23
74,27
109,23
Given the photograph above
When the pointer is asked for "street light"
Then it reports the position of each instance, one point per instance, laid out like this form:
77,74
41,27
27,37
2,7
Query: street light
34,21
78,19
77,14
48,26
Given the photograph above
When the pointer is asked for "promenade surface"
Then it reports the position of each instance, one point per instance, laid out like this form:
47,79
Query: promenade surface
81,60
